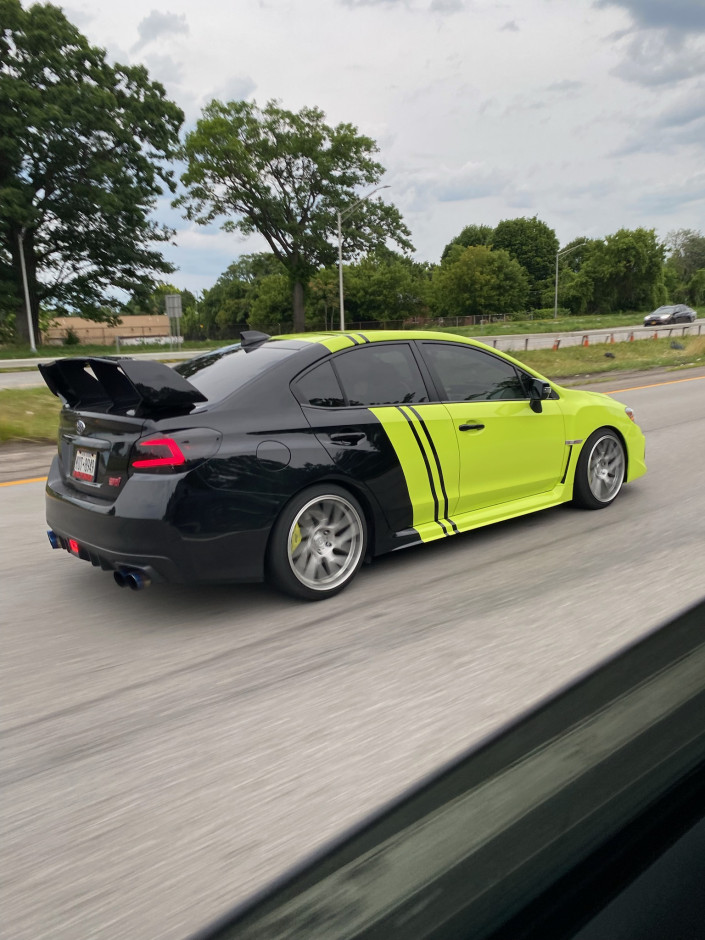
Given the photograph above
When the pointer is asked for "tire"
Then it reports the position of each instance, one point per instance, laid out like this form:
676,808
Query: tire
600,472
317,543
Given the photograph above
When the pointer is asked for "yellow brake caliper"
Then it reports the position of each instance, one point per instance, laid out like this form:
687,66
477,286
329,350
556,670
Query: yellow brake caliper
295,538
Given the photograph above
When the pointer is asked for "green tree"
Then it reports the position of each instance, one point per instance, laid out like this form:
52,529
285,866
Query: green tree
684,265
286,175
228,304
686,252
479,282
153,302
626,271
534,245
471,235
323,305
271,304
386,286
575,286
85,148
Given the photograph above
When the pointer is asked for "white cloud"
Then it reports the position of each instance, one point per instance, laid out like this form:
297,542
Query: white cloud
157,25
584,113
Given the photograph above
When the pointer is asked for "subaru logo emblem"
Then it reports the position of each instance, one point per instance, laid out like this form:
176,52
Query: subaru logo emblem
80,426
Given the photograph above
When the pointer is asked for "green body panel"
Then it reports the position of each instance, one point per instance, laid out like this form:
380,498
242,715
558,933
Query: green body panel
520,462
517,453
425,443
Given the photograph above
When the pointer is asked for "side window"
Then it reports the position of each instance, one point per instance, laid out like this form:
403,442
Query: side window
320,387
380,374
467,374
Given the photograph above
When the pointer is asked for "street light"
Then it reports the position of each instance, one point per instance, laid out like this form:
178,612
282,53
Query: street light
28,309
341,216
558,254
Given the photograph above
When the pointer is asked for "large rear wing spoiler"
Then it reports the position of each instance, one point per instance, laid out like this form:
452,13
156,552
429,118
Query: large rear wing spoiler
145,385
535,831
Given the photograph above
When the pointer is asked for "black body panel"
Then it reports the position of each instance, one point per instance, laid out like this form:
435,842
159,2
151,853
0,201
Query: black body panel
212,522
145,385
361,452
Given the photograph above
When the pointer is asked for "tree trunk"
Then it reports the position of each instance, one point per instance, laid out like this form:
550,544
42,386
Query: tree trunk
299,312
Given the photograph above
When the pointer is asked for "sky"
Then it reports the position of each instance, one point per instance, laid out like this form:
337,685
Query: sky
589,114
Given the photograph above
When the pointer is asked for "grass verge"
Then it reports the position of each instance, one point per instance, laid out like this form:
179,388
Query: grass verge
31,414
28,414
615,357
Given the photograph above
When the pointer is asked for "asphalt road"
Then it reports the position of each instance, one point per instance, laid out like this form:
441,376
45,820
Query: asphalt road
166,752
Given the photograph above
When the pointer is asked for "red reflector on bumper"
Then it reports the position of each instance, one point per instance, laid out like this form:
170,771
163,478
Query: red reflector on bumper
73,546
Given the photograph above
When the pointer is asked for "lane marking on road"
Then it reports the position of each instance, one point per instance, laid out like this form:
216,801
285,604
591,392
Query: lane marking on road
636,388
30,480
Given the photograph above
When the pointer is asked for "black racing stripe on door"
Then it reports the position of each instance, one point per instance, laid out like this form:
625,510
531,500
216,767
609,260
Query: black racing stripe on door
567,464
439,468
422,449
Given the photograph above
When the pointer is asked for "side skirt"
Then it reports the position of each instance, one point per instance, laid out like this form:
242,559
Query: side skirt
562,493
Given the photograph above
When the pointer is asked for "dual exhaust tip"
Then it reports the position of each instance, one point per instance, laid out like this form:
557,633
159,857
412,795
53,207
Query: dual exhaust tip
132,578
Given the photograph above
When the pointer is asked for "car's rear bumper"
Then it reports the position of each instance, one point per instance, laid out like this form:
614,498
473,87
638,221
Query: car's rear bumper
136,531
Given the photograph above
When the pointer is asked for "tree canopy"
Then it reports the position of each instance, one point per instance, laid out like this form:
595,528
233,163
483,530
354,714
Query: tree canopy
470,235
479,281
286,175
85,148
534,245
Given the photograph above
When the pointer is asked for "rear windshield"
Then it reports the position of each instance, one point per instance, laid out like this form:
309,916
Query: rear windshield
219,373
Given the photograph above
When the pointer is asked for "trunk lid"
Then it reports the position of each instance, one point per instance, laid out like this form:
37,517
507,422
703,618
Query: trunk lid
108,405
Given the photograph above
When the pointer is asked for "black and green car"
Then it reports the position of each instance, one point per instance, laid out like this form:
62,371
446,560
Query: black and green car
293,458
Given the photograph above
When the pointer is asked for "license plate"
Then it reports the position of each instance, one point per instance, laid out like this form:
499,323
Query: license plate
84,465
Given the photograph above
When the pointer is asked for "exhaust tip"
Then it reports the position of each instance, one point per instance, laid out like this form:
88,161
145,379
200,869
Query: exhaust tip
133,578
54,539
120,578
138,581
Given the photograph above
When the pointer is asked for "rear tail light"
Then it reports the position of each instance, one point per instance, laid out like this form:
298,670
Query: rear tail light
159,452
181,450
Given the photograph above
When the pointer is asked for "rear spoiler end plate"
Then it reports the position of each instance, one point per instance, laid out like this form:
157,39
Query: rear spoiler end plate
144,385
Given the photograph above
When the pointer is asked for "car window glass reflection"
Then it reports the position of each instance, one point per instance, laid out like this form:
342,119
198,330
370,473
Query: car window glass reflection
380,375
468,374
219,373
320,387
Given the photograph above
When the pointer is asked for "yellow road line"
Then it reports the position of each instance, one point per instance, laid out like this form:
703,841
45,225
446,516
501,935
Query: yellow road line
31,480
636,388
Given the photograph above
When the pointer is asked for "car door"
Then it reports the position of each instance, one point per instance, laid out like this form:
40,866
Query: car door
507,451
369,407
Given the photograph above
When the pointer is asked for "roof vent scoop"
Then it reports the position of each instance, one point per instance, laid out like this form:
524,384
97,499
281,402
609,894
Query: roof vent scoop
251,339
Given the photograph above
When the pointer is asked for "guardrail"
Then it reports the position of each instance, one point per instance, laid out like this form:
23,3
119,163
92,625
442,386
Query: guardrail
511,342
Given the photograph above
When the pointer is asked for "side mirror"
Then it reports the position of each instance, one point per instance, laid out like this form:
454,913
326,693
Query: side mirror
538,392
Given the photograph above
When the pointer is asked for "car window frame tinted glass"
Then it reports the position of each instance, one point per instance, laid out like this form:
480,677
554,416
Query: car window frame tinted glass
325,375
359,389
220,373
447,391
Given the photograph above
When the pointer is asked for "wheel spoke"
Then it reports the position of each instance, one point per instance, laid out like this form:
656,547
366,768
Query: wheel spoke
605,470
330,533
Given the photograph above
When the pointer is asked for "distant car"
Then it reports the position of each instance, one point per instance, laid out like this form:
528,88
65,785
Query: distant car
294,458
671,313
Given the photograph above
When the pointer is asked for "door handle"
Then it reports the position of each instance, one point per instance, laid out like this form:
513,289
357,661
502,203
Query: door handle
470,427
348,438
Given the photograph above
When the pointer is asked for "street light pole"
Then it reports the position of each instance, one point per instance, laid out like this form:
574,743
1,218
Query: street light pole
341,216
558,254
30,325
